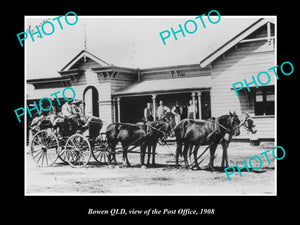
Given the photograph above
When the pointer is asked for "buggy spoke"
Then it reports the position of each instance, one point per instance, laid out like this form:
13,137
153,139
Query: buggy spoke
46,158
38,153
43,157
43,148
39,143
40,156
79,149
99,154
104,157
73,143
35,150
71,154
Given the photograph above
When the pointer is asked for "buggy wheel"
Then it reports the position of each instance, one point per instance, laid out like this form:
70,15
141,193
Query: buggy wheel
44,148
62,155
100,152
77,150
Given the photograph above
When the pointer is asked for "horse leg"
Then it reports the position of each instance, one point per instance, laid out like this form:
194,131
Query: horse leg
125,159
225,145
153,153
149,154
178,151
185,150
143,153
196,156
226,154
112,154
212,150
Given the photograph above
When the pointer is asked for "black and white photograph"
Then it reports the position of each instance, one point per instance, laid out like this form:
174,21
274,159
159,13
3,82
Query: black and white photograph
151,105
117,111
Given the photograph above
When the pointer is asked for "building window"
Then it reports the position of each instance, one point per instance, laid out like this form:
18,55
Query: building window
264,103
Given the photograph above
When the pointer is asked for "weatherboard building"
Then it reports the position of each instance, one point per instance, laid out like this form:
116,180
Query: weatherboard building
120,94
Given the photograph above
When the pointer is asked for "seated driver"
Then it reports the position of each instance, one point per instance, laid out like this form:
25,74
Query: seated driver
77,111
67,111
85,120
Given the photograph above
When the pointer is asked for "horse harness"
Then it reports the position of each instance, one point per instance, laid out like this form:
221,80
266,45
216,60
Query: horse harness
145,135
216,122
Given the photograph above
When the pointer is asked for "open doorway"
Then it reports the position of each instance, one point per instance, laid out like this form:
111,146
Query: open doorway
132,107
90,99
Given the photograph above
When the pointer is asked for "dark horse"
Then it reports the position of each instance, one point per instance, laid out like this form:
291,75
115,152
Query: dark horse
141,134
158,130
194,133
126,133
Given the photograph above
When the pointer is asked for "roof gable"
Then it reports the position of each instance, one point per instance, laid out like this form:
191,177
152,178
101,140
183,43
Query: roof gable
233,41
82,56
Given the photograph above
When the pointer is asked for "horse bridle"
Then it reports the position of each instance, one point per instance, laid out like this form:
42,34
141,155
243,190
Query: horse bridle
246,119
225,128
159,130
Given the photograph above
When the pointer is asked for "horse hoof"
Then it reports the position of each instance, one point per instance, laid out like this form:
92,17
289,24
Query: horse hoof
143,167
195,168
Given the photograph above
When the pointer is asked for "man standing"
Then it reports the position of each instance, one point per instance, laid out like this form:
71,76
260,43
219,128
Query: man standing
192,110
177,111
184,111
161,110
148,113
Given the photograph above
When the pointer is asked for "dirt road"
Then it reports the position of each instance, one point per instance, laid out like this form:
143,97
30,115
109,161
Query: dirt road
163,179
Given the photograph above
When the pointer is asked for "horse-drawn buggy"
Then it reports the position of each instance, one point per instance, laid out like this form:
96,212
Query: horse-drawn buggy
67,140
75,144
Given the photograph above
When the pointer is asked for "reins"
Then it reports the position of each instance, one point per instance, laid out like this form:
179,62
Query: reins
220,125
145,135
156,129
246,117
139,125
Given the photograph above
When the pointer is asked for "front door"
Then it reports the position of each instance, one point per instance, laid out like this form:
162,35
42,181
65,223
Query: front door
90,98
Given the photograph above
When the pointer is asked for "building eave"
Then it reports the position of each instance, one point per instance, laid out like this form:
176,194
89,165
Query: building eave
233,41
81,54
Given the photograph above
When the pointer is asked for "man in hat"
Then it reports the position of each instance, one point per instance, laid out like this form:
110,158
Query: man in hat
76,109
82,119
177,111
68,111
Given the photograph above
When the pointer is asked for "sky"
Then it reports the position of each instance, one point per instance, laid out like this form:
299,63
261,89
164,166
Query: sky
126,41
